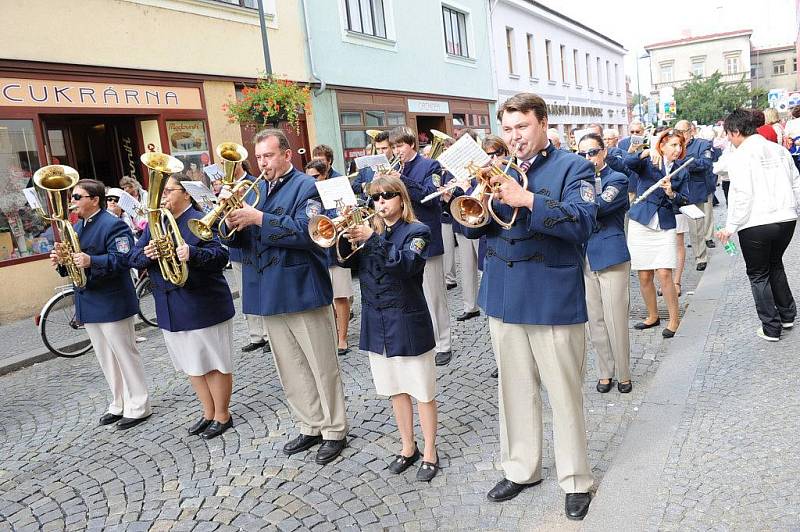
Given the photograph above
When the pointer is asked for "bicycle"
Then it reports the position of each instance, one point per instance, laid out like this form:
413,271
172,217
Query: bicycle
147,304
59,328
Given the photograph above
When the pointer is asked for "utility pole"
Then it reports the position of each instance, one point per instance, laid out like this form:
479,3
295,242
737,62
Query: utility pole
264,41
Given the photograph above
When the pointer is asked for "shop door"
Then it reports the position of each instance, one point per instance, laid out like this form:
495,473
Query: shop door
424,126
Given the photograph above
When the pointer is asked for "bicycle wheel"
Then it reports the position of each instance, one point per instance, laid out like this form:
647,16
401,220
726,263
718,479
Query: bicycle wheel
61,332
147,304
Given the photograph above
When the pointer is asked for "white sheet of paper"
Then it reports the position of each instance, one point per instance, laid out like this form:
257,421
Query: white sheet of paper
457,157
129,204
692,212
579,135
201,194
336,189
371,161
32,197
214,172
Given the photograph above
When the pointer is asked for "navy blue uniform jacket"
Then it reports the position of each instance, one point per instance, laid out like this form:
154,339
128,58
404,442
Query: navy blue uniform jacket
533,273
699,169
658,201
283,270
417,176
364,177
205,299
607,246
394,313
109,295
616,160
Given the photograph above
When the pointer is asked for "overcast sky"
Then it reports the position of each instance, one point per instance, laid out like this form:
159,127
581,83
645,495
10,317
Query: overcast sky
773,23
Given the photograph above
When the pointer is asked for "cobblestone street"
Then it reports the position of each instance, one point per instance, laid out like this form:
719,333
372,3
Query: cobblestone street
59,470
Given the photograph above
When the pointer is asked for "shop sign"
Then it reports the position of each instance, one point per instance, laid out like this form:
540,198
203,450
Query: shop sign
428,106
48,93
555,109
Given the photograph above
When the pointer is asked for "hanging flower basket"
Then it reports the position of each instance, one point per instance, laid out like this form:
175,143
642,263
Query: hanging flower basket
268,103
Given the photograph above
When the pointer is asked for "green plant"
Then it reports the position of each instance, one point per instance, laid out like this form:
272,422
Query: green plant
269,102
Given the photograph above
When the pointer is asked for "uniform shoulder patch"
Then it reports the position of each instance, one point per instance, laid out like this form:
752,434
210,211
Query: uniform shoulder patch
122,244
418,245
587,192
313,208
609,193
708,154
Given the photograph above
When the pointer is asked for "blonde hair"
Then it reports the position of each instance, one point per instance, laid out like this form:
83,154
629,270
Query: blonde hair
771,115
386,183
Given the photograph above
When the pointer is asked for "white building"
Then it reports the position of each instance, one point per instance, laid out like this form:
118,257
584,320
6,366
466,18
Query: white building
577,70
774,67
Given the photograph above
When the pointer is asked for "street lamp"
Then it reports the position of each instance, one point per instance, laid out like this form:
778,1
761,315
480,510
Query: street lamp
638,88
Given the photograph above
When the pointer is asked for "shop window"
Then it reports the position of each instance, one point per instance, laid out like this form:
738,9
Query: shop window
22,232
189,143
395,119
351,119
355,139
375,118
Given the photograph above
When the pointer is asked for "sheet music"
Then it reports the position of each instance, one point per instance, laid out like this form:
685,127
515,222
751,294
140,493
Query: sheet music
371,161
129,204
32,197
579,135
214,172
201,194
457,157
337,189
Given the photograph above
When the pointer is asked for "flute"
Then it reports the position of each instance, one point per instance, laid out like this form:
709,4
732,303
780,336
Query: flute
661,181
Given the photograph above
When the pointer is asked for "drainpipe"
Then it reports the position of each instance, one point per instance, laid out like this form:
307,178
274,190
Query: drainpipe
322,84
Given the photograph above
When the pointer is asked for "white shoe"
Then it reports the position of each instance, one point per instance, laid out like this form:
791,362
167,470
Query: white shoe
787,325
760,333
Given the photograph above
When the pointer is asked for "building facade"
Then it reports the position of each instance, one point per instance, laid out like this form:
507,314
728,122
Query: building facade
425,65
128,76
577,70
774,68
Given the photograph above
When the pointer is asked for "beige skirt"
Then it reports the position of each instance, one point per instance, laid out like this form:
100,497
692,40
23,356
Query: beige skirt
202,350
414,375
652,249
342,281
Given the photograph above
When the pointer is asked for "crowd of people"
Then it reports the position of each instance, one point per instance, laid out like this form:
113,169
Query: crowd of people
582,222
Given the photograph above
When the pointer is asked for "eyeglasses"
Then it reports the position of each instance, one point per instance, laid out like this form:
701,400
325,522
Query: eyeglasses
681,131
169,190
385,195
636,132
77,197
590,153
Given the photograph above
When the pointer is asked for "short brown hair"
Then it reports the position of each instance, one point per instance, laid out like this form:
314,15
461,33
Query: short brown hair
320,165
264,134
524,102
403,134
496,144
323,150
95,189
796,111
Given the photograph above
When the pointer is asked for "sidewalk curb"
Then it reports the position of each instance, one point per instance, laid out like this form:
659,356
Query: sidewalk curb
627,494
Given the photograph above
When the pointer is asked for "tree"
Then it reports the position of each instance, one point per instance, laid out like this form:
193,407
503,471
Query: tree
707,100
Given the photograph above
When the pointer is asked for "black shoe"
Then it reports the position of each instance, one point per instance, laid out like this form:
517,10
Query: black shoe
301,443
495,373
701,266
468,315
252,346
201,425
642,325
427,470
506,490
443,359
604,388
266,349
109,418
576,505
329,450
352,315
450,286
625,387
129,422
216,428
343,351
711,244
401,463
667,332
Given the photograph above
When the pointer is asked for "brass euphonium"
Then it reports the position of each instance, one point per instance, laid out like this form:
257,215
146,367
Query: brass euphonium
57,181
439,143
372,133
476,209
164,231
231,154
326,231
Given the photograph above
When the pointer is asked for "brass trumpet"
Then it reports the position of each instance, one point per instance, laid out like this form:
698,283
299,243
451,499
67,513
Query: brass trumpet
326,232
164,231
57,182
476,209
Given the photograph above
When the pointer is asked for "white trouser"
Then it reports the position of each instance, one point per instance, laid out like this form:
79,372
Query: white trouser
115,346
255,324
702,230
527,356
468,257
436,296
449,241
608,303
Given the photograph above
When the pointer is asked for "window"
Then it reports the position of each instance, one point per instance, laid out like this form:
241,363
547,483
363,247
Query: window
666,72
253,4
455,32
395,119
732,64
575,66
599,75
610,83
354,126
366,16
616,77
589,71
531,63
22,231
794,64
699,66
755,70
563,63
375,118
779,67
510,49
547,52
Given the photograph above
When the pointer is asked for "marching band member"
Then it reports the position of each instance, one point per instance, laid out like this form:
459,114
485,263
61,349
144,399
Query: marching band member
196,318
325,152
286,281
341,278
606,271
396,327
107,304
651,229
365,175
417,176
539,339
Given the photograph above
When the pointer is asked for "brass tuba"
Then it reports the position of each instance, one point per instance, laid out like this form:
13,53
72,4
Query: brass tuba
372,133
476,209
230,155
164,231
439,143
326,232
57,182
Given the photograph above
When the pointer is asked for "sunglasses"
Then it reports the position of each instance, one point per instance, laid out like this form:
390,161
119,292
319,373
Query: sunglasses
385,195
590,153
77,197
112,198
495,153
